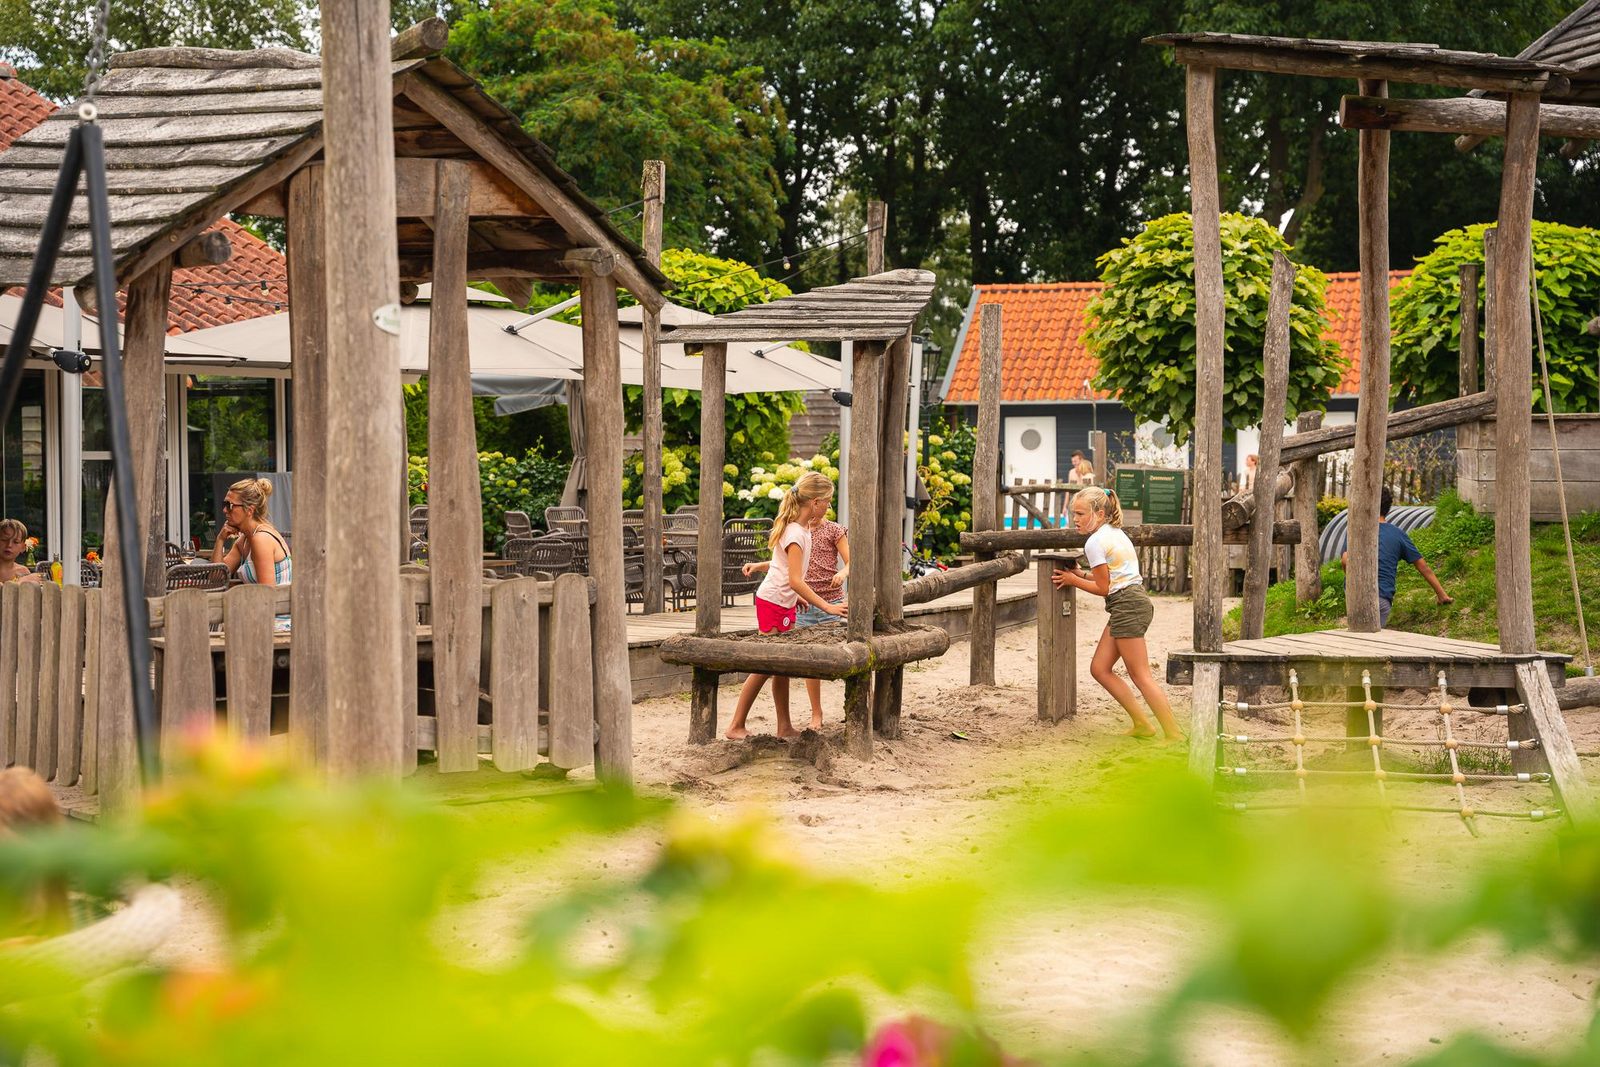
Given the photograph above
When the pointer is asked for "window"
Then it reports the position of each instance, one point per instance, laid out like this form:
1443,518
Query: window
231,433
22,491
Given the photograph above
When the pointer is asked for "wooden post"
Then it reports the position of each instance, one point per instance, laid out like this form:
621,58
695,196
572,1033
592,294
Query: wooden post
654,189
1275,392
866,569
1469,328
1057,653
1210,570
1544,714
362,457
143,361
308,341
1308,555
1491,237
1205,698
455,497
877,227
1372,415
708,573
892,508
986,489
1101,461
1513,335
602,413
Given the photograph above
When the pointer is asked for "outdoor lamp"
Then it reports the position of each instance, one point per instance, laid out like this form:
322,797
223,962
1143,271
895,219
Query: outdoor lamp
70,360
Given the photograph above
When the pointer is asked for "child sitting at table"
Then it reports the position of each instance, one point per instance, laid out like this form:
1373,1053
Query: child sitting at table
13,542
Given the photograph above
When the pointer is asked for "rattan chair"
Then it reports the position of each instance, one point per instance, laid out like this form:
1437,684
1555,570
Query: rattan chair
89,574
176,554
633,580
541,557
568,519
518,524
743,541
197,576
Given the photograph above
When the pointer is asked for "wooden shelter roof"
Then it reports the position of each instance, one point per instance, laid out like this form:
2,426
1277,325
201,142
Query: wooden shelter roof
1425,64
879,307
193,134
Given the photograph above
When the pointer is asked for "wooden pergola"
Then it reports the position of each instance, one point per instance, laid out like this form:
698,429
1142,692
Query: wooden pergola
407,176
876,315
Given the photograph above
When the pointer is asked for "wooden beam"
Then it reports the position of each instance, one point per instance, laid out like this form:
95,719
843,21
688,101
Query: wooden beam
653,189
1475,116
364,433
419,40
1468,276
1408,423
866,569
708,573
943,583
542,264
602,413
1307,488
1372,413
1275,393
1513,334
487,194
308,343
1544,715
483,139
1149,535
1240,509
455,497
888,684
207,250
1417,70
1206,698
1210,343
986,487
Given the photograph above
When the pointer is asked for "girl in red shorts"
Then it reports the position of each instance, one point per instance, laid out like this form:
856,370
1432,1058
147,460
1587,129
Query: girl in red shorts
779,595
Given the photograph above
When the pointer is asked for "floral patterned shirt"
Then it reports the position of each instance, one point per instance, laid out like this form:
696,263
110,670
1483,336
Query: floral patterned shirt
825,538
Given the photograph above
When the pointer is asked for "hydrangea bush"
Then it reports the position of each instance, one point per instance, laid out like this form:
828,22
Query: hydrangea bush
946,470
529,483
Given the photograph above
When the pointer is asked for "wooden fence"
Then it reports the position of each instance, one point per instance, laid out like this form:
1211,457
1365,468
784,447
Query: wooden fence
222,662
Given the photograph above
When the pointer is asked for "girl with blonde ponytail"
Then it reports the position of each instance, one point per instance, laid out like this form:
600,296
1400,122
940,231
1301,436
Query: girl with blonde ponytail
779,595
1114,574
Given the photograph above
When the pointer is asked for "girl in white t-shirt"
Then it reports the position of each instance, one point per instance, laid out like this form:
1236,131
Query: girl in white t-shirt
1114,574
779,595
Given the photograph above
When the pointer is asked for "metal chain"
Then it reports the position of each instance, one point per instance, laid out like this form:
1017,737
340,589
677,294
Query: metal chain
97,59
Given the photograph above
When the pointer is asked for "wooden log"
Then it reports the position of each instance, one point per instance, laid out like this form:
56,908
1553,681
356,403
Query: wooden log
46,736
1490,238
708,574
482,138
986,488
1533,683
889,684
144,343
1153,535
364,438
247,627
10,595
27,638
866,511
877,230
69,688
1513,333
188,698
1308,556
1275,393
1239,510
1579,693
1409,423
1413,67
413,592
455,498
207,250
1205,699
943,583
1473,116
514,676
602,409
308,341
1057,644
844,658
1469,328
1372,414
1210,574
89,774
1097,446
572,655
653,189
425,38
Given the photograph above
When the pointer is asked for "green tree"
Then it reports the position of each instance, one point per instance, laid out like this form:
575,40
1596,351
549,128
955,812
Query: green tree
604,99
1143,328
1426,315
48,40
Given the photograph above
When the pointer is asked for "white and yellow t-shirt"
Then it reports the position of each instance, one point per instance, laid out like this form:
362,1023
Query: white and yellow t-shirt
1111,546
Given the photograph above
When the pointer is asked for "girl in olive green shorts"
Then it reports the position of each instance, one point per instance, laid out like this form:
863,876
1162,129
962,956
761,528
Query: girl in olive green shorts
1114,574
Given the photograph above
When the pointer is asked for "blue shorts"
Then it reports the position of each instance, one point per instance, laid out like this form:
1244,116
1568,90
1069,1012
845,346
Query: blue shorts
811,615
1384,607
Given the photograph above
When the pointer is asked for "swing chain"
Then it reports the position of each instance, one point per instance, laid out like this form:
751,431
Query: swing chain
96,62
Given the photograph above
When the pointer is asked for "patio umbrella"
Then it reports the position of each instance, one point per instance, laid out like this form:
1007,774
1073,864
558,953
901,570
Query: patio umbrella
576,491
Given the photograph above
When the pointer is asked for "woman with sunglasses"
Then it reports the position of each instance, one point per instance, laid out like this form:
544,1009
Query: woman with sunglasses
259,554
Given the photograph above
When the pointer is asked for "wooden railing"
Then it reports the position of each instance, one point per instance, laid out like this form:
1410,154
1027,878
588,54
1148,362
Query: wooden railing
222,662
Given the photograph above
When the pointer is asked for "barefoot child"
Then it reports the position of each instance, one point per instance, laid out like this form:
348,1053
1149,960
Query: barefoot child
783,588
826,574
1114,574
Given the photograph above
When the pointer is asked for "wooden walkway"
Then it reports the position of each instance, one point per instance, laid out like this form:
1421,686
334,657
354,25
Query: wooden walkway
652,678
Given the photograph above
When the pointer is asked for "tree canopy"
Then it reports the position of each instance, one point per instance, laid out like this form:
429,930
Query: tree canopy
1143,327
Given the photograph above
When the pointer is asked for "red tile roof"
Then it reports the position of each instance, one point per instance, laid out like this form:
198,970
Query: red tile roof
1045,358
201,296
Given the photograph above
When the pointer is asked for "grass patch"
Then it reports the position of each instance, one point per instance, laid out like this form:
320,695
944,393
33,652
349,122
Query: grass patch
1459,546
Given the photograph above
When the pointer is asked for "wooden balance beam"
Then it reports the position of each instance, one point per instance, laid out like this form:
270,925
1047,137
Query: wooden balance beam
1284,532
747,652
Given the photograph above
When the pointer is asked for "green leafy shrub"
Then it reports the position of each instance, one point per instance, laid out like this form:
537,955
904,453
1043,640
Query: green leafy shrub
947,474
680,478
1143,325
1426,313
529,484
766,482
1329,507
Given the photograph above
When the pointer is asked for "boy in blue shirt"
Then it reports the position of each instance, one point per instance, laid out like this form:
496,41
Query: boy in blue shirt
1394,546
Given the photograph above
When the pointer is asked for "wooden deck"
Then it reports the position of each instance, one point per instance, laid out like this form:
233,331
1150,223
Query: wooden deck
652,678
1395,657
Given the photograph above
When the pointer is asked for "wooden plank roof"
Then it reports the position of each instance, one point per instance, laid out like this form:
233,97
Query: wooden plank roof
1425,64
879,307
192,134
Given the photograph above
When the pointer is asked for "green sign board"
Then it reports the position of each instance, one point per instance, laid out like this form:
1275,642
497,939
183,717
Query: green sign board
1163,496
1129,484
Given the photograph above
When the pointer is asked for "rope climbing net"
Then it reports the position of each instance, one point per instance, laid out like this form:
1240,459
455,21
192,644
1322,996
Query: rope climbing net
1376,743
